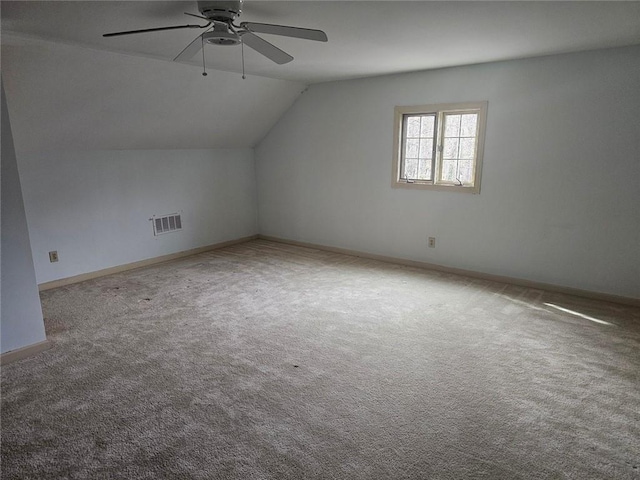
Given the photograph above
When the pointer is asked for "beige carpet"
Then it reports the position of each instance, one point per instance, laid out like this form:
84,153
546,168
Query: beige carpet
266,361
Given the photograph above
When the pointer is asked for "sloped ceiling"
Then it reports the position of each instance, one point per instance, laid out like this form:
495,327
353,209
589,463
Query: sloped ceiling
70,88
65,97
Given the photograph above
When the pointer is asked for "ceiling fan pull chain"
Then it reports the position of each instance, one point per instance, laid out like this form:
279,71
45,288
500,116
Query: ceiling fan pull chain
204,67
242,51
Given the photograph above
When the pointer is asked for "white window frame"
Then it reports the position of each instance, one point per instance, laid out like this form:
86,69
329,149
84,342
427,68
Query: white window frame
439,110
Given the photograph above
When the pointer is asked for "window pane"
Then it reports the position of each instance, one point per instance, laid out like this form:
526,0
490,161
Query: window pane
427,126
424,169
465,171
450,150
468,125
412,148
413,126
449,170
467,148
452,125
426,148
411,168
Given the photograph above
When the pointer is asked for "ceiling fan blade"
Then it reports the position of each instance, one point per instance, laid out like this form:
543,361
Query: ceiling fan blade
190,50
265,48
306,33
146,30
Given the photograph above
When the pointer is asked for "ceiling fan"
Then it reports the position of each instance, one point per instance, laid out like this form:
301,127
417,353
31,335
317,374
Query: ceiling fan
220,30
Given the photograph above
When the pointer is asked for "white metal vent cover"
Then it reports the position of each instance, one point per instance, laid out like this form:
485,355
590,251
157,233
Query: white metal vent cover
166,223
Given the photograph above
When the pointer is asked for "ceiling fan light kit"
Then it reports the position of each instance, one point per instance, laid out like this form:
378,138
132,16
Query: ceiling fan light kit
221,31
221,35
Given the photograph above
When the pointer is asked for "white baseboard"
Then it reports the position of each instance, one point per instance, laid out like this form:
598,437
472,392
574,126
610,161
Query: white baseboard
142,263
24,352
634,302
400,261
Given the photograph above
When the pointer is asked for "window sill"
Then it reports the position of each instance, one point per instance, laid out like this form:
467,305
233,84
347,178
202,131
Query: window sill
430,186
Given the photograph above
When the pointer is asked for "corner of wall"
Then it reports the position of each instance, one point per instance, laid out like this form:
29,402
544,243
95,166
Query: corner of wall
20,313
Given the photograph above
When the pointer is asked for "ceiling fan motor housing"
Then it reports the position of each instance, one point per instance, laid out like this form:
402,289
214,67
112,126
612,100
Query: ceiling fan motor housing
222,11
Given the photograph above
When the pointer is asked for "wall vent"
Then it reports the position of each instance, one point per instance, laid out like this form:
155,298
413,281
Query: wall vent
166,223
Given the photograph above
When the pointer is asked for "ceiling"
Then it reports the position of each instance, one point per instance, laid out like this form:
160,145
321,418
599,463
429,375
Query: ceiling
365,38
69,88
64,97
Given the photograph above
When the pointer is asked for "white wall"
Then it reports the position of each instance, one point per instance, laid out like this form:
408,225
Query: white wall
20,313
94,207
560,183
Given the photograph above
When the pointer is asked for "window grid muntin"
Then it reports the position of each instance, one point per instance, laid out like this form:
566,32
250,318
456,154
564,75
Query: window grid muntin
442,138
437,154
405,137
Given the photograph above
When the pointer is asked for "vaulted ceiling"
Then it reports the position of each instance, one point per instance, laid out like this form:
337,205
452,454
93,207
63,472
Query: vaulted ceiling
70,88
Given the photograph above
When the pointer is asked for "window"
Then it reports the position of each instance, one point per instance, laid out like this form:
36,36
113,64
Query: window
439,146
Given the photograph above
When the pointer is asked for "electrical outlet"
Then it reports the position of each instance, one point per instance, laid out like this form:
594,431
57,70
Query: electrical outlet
432,242
53,256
